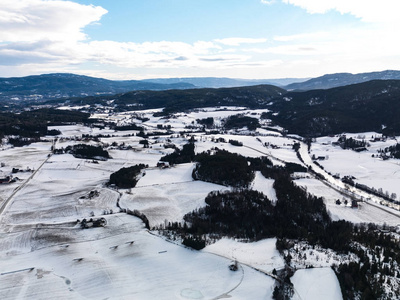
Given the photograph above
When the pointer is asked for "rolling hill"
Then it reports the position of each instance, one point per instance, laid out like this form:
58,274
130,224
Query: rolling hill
367,106
181,100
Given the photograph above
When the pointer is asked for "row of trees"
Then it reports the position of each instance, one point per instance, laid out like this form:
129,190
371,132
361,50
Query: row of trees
394,151
22,141
207,122
371,190
240,121
181,156
350,143
126,178
84,151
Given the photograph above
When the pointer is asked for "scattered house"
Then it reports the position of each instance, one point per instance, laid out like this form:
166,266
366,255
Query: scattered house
163,164
319,157
378,139
360,149
17,170
354,204
234,267
5,180
8,179
92,194
78,259
101,222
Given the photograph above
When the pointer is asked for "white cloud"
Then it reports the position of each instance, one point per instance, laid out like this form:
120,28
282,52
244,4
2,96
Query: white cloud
302,36
349,42
150,54
35,20
238,41
268,2
383,11
293,50
163,54
257,64
51,32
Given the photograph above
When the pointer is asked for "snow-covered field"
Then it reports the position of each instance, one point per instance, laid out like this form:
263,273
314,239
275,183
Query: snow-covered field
261,255
97,265
167,195
44,254
365,213
316,284
371,171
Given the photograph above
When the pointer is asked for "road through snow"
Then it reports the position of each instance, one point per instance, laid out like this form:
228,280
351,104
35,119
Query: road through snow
8,200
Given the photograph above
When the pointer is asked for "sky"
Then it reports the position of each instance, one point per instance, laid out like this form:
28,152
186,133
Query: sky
252,39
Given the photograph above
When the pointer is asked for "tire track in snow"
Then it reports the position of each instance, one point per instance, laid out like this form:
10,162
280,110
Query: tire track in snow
226,294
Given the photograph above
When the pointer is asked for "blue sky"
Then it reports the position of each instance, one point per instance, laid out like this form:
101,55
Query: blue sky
138,39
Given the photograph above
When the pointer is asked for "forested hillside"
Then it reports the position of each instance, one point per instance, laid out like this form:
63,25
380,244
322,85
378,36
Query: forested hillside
369,106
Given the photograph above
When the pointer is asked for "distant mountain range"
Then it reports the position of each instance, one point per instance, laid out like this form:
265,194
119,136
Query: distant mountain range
341,79
215,82
64,85
304,84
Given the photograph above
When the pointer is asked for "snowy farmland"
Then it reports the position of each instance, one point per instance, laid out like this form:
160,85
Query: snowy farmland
44,254
122,260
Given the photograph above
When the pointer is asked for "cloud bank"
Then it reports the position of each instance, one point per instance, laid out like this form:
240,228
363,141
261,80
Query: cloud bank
42,36
36,33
